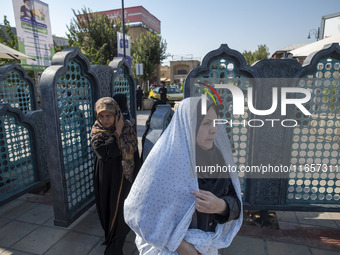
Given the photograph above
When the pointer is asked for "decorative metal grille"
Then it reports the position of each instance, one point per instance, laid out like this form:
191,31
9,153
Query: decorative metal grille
121,84
316,141
222,71
17,169
75,115
15,91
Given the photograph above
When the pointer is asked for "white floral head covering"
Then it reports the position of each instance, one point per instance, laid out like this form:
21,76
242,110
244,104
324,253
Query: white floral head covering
160,205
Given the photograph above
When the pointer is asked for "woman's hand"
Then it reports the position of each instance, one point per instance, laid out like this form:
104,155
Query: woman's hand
207,202
186,248
119,123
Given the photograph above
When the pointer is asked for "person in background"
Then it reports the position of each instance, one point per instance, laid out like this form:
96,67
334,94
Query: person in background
163,92
139,97
116,163
172,207
122,101
148,122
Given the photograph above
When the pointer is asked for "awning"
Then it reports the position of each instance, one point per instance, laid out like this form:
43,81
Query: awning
315,46
8,52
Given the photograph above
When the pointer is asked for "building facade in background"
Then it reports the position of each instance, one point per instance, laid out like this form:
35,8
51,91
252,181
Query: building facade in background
165,74
138,19
180,69
60,41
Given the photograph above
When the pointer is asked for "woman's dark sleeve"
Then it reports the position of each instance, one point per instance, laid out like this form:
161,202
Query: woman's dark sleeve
106,149
233,204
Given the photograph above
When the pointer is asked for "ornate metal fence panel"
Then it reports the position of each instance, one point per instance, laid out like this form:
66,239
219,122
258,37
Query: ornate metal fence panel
312,145
23,165
17,164
316,141
17,89
270,146
225,66
105,76
68,91
124,83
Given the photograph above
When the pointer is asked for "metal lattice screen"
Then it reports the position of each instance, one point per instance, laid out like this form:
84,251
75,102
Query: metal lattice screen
317,139
222,71
75,99
15,91
121,84
17,169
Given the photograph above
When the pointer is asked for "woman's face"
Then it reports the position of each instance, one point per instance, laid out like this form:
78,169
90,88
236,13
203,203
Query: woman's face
106,119
207,132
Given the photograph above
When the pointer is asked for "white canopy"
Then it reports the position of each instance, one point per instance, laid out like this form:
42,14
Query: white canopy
315,46
7,52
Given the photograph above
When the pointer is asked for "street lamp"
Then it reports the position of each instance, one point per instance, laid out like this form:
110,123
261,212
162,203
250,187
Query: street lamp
123,14
315,33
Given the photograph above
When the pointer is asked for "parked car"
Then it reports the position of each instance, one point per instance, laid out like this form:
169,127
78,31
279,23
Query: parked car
173,95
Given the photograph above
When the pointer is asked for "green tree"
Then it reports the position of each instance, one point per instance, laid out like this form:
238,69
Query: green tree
248,55
57,48
150,50
8,38
95,35
262,52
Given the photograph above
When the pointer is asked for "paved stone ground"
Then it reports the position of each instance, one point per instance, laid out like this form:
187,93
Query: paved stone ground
26,228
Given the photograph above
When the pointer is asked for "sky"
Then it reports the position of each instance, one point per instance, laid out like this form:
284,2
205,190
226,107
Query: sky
194,28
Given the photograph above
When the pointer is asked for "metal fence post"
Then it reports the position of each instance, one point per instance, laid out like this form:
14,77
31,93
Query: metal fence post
68,91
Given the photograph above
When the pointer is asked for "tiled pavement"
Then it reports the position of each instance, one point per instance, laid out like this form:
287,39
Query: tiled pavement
26,228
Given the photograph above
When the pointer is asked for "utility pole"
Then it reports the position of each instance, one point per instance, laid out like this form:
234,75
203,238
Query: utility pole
123,15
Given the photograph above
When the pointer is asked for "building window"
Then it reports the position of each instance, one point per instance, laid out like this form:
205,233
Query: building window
182,71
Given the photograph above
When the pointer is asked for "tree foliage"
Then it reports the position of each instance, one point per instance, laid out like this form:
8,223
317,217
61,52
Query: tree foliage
8,38
150,50
95,35
58,48
262,52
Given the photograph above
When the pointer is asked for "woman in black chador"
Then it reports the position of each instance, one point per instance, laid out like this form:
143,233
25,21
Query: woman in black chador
116,160
122,101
